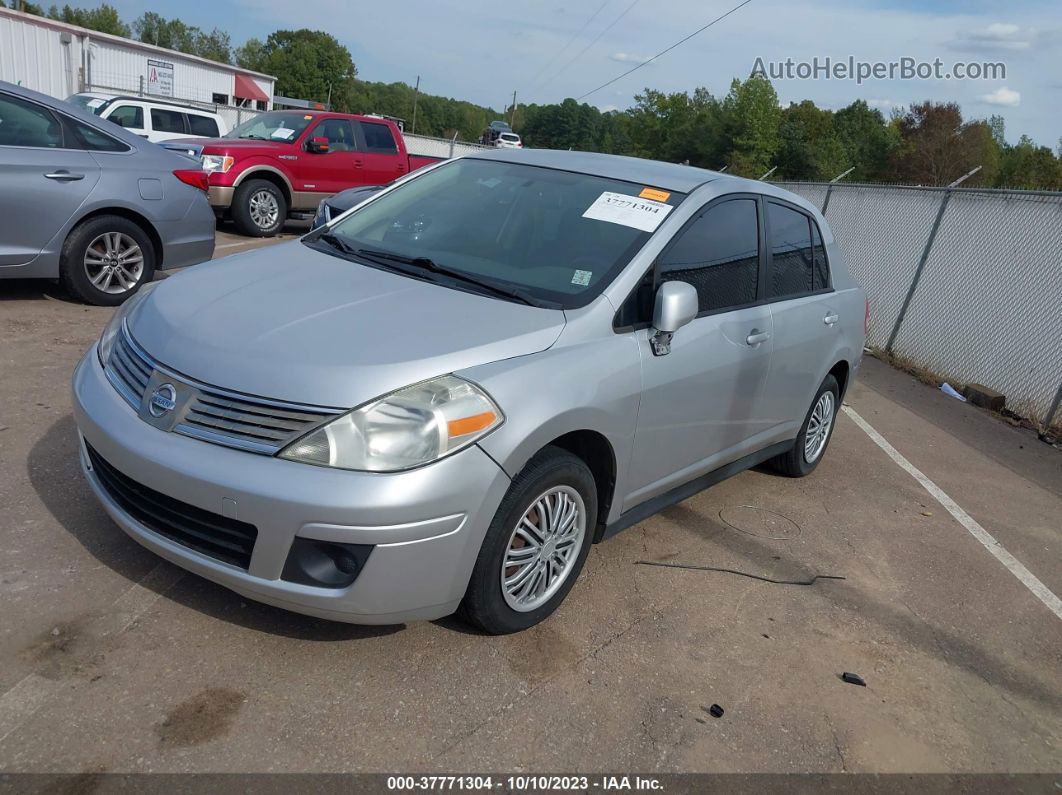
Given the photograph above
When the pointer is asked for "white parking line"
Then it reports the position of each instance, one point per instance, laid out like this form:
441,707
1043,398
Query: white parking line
32,691
1014,566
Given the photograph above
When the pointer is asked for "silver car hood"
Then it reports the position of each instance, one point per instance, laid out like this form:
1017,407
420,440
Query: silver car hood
295,324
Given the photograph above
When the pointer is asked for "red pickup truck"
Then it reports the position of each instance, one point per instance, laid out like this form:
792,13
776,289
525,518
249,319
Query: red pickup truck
283,163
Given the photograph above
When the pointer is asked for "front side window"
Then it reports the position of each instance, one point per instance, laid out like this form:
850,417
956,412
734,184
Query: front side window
719,254
378,138
277,126
25,124
128,116
203,126
339,132
507,224
792,261
168,121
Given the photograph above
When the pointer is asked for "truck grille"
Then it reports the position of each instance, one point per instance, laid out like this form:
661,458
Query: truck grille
254,424
228,540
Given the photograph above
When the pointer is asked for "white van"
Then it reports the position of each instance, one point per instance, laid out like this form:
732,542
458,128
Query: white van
153,119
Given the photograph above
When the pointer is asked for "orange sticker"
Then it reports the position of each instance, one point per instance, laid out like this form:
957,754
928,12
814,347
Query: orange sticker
655,195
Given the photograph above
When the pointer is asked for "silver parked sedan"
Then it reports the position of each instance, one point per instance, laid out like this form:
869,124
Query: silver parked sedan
441,399
91,204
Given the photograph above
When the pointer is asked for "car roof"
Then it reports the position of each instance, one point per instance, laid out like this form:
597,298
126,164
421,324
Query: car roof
651,173
112,98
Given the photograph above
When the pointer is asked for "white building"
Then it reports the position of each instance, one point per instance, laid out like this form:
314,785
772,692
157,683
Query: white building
60,59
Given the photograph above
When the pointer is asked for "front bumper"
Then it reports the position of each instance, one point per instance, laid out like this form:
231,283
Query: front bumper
220,196
426,526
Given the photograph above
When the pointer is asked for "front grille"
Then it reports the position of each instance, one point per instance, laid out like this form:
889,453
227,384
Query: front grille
228,540
258,425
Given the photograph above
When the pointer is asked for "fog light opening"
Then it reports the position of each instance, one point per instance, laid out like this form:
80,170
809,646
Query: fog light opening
324,564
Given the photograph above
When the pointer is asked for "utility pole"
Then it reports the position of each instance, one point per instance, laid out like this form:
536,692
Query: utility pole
512,116
416,92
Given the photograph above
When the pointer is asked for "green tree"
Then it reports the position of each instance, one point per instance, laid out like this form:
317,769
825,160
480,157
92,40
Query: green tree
752,118
105,19
308,64
809,145
174,34
868,141
1029,166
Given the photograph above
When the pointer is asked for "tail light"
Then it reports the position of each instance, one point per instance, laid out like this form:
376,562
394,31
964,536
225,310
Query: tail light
194,177
866,316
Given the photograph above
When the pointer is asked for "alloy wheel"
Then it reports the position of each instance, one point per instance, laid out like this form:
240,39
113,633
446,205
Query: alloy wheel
114,263
264,209
819,425
543,548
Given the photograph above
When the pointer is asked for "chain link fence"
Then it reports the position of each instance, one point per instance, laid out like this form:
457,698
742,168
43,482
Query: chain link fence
965,283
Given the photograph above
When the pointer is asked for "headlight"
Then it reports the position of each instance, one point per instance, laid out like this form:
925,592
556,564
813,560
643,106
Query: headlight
114,325
220,163
406,429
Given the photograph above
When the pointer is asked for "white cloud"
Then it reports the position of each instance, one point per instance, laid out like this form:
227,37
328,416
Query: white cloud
626,57
998,37
1002,96
884,104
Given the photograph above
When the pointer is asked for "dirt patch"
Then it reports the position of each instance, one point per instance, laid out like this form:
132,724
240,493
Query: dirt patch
541,653
202,718
65,649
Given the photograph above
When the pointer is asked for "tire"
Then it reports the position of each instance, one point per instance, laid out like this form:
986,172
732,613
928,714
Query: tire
259,208
565,481
794,462
105,260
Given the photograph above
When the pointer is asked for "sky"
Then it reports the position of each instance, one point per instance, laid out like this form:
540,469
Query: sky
547,50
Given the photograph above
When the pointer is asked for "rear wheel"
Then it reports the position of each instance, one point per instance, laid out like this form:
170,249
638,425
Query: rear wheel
536,545
815,433
259,208
105,260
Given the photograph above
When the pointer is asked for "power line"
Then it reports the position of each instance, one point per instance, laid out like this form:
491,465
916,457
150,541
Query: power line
597,38
568,44
669,49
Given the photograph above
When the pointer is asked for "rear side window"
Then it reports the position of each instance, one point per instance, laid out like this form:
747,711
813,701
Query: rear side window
85,137
792,261
128,116
719,254
378,138
169,121
203,125
25,124
822,266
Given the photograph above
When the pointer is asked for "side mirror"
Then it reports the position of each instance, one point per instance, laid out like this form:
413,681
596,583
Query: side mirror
318,145
676,305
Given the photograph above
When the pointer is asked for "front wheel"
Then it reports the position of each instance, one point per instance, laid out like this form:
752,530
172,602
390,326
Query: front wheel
259,208
536,545
815,433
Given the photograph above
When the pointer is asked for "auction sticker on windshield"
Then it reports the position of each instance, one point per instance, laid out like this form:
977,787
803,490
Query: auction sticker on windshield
618,208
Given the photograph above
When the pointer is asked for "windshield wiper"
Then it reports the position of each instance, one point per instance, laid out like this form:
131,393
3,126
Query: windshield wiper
431,265
335,241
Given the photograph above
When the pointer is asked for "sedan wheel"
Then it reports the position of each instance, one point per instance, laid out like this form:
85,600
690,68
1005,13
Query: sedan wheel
543,548
114,263
819,425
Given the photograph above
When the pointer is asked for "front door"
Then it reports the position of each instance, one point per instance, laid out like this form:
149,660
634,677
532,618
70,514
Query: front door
44,183
702,403
332,171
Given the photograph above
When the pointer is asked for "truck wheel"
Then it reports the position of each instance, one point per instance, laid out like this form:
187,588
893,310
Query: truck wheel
259,208
105,260
536,545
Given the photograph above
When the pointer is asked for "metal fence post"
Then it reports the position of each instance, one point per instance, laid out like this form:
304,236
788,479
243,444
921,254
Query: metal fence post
918,270
826,201
1051,411
452,141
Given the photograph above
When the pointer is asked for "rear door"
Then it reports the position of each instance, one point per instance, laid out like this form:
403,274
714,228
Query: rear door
45,179
167,123
381,158
805,310
702,403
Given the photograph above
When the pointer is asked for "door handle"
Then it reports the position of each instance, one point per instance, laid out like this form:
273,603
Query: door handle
357,164
756,337
64,176
830,319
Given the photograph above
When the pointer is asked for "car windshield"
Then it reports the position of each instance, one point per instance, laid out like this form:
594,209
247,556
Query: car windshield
275,126
557,237
88,102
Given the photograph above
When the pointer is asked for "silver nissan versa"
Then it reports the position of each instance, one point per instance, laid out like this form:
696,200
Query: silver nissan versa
438,401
